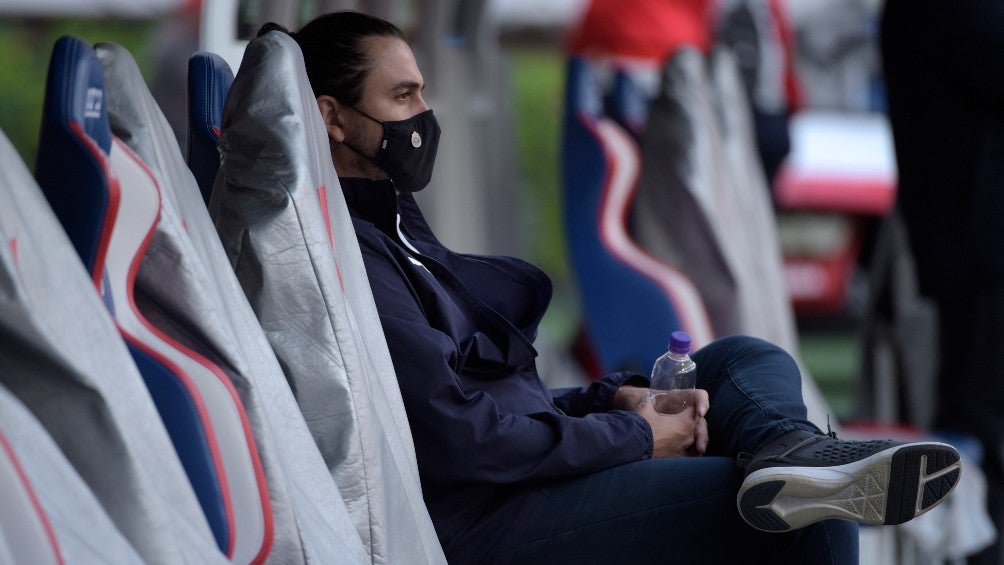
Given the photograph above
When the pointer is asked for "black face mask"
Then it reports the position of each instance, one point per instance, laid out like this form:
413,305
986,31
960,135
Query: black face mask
408,151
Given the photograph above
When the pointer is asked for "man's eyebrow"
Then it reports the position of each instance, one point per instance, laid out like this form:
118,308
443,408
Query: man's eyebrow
407,85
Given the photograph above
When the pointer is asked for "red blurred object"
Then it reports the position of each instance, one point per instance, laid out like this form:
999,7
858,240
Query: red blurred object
646,29
841,171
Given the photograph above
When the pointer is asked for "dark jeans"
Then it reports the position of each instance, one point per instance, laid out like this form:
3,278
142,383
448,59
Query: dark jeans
684,510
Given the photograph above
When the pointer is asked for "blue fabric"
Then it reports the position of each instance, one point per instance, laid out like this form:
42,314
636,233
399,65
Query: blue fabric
74,143
189,436
683,510
209,80
670,511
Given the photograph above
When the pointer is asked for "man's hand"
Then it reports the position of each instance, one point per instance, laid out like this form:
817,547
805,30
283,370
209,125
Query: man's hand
682,433
628,398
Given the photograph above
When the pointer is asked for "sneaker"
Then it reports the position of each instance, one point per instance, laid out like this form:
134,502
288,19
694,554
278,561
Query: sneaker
804,477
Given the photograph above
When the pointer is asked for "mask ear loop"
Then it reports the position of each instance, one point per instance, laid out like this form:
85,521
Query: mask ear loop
367,115
383,143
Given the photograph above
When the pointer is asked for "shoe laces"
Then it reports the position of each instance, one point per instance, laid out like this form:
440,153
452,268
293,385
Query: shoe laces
829,430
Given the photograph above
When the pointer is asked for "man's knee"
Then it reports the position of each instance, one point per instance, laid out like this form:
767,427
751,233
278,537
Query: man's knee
736,347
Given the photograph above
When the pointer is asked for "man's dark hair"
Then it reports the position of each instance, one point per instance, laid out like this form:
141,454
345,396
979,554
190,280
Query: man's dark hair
335,52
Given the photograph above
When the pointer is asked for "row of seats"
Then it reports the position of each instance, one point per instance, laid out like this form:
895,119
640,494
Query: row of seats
181,387
667,214
670,226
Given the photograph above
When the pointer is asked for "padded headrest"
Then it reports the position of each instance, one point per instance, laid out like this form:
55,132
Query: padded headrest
628,104
74,67
209,80
73,149
136,119
278,89
582,90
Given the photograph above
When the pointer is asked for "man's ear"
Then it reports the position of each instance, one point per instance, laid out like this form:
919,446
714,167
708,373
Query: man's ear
331,113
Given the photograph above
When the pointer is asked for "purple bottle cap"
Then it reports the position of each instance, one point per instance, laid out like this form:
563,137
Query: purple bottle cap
679,342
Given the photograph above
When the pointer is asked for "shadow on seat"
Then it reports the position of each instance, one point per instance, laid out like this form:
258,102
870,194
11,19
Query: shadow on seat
36,483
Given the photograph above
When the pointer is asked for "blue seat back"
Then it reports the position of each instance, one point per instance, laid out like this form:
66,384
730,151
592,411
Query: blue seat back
75,172
72,164
209,80
627,104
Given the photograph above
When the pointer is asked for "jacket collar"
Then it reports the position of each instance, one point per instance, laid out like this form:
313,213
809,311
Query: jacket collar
372,200
377,201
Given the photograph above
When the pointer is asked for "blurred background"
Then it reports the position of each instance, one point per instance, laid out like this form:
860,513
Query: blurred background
496,73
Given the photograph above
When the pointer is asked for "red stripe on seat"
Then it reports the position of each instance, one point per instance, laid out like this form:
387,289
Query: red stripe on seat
114,193
224,380
42,517
619,188
322,195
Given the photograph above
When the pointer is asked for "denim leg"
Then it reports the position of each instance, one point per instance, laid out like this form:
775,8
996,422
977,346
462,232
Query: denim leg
756,394
680,510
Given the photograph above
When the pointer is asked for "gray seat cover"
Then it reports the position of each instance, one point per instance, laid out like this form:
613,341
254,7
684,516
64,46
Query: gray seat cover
63,358
282,218
189,290
766,305
82,531
677,210
702,204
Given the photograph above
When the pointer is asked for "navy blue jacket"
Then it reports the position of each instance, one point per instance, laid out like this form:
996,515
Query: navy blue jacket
489,436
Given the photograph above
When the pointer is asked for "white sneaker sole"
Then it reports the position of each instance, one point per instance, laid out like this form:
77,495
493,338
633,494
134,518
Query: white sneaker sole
889,487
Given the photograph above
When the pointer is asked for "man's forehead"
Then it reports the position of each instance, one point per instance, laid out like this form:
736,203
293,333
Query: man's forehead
394,66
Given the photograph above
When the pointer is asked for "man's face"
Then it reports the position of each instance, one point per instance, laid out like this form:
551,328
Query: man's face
392,91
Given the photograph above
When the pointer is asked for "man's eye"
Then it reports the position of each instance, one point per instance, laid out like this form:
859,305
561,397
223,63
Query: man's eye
404,96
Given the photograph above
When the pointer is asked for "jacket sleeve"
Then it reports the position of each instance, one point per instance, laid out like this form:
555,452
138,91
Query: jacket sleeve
598,396
464,436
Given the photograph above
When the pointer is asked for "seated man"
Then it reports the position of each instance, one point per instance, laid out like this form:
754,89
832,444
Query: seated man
514,472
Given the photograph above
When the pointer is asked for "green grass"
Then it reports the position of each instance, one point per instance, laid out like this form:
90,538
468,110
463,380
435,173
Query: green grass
25,48
832,358
538,83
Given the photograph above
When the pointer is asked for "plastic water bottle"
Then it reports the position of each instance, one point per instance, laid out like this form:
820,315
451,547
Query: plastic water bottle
674,370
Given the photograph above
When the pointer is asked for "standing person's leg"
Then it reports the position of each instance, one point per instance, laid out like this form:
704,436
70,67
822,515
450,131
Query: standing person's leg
971,390
680,510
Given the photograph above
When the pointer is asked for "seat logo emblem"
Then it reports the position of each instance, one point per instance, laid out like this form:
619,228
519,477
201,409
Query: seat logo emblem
92,103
